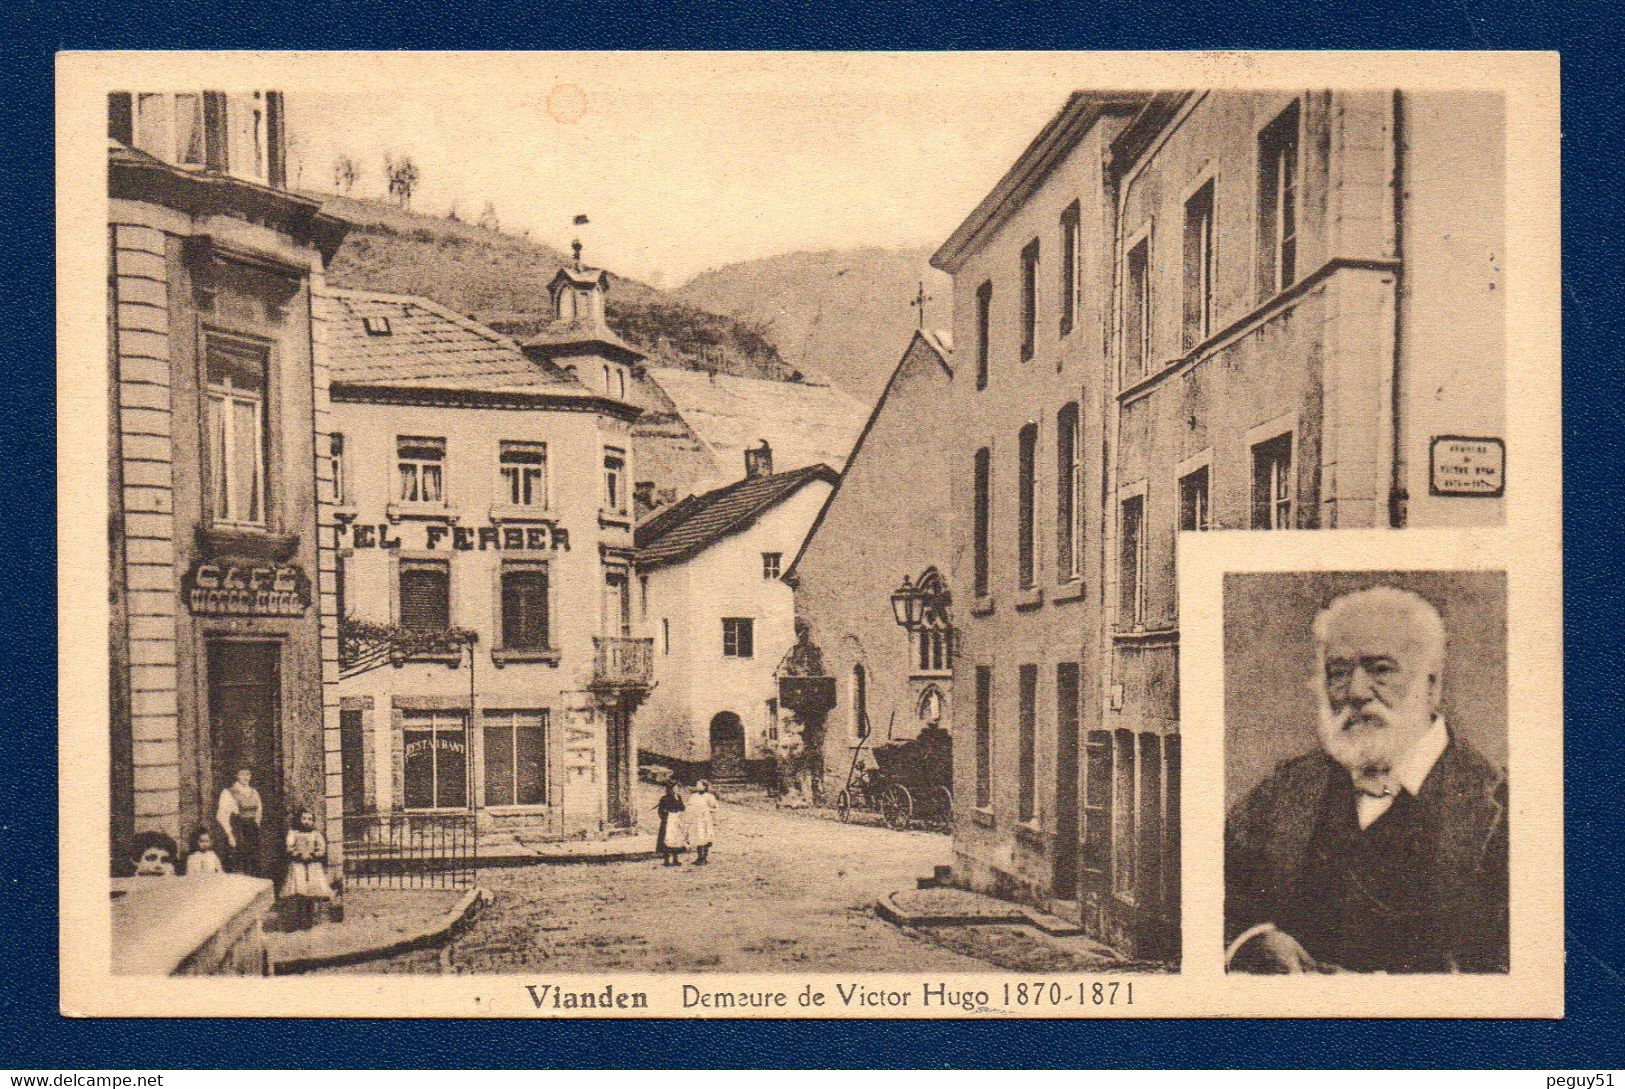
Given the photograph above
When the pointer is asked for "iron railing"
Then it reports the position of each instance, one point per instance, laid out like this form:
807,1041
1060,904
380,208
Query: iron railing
620,662
411,851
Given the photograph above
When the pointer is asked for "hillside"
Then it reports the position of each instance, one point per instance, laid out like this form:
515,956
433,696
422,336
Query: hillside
841,314
501,280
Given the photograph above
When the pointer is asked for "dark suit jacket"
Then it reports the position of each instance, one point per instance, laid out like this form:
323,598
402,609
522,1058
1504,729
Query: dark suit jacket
1424,889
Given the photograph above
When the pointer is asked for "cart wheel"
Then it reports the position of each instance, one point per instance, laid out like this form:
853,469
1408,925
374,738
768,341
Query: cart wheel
843,806
945,805
897,807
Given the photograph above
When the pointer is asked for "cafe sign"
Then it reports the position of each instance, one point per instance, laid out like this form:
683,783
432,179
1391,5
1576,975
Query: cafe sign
245,589
1460,465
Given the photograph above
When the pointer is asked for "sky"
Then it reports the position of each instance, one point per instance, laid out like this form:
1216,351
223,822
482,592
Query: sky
688,162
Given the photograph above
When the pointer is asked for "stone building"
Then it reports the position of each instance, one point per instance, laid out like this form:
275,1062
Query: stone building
1291,317
722,618
220,579
1031,310
890,683
483,488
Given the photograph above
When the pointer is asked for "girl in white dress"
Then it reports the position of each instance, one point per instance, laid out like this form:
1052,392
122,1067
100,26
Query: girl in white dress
701,819
306,884
203,859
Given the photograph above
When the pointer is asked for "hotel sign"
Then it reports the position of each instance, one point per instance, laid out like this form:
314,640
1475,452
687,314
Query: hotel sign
235,589
1459,465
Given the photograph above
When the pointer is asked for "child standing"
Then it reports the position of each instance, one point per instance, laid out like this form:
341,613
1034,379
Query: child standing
702,821
306,885
203,859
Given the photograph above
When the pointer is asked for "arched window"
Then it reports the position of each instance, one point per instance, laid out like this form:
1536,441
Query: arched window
929,709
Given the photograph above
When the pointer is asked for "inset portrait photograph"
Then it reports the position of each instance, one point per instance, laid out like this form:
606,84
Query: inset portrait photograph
1365,772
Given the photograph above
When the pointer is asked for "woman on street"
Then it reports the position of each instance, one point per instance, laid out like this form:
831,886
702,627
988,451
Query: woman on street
702,821
669,842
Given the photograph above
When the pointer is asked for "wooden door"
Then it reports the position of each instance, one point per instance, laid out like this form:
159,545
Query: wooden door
245,732
727,746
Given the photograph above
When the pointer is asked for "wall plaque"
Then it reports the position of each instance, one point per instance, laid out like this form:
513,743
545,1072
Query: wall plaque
1462,465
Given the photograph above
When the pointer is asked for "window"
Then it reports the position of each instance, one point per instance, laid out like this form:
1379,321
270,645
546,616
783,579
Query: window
422,463
615,490
860,701
1027,514
1123,843
237,386
525,613
1071,255
771,562
1097,803
516,757
377,325
1200,264
1029,298
341,579
435,761
738,637
772,720
1193,502
1272,483
522,467
1278,202
984,331
425,595
1068,558
340,484
151,126
935,650
1027,754
984,737
983,518
665,635
1131,578
643,597
617,611
1137,311
189,129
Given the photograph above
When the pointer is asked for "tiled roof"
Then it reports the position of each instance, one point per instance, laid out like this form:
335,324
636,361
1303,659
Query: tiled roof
429,347
696,522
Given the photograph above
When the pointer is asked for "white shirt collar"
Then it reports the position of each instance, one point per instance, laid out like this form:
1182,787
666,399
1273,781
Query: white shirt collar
1410,772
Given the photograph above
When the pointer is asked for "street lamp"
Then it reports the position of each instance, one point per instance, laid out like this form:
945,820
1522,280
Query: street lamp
920,604
907,605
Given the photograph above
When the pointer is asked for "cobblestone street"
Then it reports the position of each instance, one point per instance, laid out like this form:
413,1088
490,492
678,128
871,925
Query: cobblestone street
782,891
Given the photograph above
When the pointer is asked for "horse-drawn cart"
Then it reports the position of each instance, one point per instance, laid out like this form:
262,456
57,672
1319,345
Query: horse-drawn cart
910,784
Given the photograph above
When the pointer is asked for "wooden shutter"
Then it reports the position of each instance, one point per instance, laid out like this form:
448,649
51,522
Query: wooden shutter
214,131
524,608
426,598
276,150
121,117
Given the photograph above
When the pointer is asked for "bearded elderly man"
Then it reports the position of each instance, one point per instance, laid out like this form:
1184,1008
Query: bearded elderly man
1386,851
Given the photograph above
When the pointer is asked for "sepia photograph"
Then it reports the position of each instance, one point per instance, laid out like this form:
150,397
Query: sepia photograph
715,517
1365,771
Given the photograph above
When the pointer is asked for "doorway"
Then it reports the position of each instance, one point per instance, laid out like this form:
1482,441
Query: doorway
727,746
1067,829
245,732
618,754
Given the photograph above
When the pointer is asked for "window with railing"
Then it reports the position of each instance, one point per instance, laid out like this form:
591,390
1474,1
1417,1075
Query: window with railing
435,759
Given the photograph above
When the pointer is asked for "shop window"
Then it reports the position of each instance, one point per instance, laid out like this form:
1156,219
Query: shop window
984,737
1272,483
1278,202
771,564
525,613
615,490
515,757
421,462
1071,265
1029,299
1027,744
435,768
425,595
1137,311
237,432
522,468
1097,803
984,331
1193,501
1068,550
1131,571
738,637
1199,266
983,489
1027,505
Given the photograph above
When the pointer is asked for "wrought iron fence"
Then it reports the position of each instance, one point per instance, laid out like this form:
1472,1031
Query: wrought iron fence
411,851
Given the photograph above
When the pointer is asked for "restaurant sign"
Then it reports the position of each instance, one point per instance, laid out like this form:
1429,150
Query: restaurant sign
242,589
1459,465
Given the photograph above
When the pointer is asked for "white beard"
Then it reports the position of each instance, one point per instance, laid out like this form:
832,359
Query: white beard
1382,735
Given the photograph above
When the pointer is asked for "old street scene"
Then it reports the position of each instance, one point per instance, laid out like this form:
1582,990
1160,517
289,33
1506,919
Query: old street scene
668,532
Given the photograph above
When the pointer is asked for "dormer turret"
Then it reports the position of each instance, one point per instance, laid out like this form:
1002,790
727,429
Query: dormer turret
578,293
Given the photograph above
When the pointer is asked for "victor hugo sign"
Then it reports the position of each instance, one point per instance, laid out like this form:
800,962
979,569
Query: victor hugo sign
243,589
1460,465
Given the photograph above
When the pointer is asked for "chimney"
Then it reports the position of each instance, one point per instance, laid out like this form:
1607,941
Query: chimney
758,460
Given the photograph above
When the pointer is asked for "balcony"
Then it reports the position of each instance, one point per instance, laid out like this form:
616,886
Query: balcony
622,663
